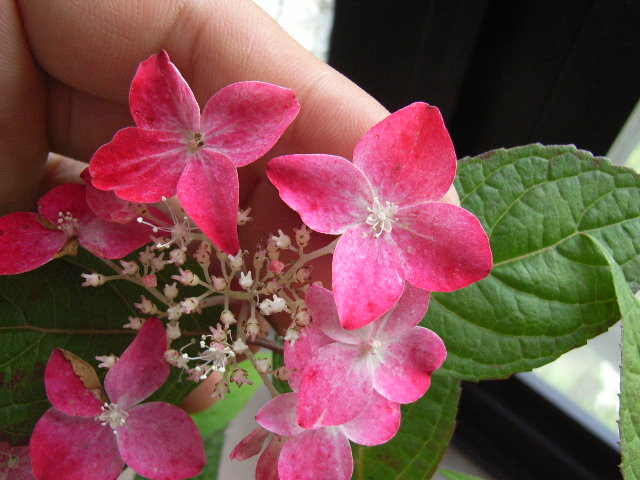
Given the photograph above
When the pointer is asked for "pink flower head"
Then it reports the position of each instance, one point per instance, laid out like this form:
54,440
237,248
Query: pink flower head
30,240
86,435
340,370
385,206
176,149
15,463
295,453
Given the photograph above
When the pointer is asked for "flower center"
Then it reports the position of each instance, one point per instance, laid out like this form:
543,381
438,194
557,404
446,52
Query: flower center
381,216
67,223
13,462
372,346
195,143
113,415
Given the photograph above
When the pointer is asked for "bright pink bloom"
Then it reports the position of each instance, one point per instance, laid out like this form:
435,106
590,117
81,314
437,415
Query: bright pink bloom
295,453
15,463
30,240
391,356
385,206
175,149
84,436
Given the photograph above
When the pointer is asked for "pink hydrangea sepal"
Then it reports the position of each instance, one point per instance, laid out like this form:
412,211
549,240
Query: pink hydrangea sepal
160,441
298,355
437,234
377,424
82,447
328,192
267,467
408,157
250,445
66,390
160,98
208,191
367,276
26,243
336,386
245,119
323,453
141,369
279,415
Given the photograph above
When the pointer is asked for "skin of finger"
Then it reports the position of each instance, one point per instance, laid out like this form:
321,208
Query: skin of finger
23,142
94,47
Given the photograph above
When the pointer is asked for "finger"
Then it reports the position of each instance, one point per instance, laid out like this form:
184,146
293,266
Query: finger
94,47
23,144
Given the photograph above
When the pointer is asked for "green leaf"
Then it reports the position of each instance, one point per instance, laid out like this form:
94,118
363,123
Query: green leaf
550,290
453,475
48,308
630,381
415,452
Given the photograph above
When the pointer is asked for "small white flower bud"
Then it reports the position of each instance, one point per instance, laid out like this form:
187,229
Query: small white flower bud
240,376
93,279
178,256
190,305
146,306
186,277
292,336
302,236
243,216
278,304
253,328
263,365
239,347
228,318
129,268
135,323
173,331
218,283
174,312
171,291
246,281
236,261
282,241
107,361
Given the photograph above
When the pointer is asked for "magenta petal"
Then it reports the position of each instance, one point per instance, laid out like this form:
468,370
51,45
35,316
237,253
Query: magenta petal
141,369
250,445
106,204
406,314
408,157
336,386
367,276
161,442
267,468
443,247
73,448
404,373
160,99
113,240
325,316
328,192
208,191
324,454
377,424
67,198
279,415
244,120
26,243
140,165
298,355
66,391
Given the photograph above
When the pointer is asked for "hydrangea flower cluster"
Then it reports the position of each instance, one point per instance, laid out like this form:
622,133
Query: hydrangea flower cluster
353,354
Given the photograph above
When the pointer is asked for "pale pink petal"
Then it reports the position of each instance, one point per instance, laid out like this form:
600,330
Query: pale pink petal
250,445
161,442
26,243
141,369
443,247
209,192
328,192
404,372
325,317
377,424
267,468
408,157
66,391
73,448
244,120
298,355
140,165
107,205
68,198
279,415
324,454
404,315
336,386
367,276
113,240
160,99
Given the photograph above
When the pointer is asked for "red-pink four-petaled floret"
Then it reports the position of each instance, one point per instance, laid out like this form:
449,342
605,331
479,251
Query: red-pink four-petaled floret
82,437
339,370
296,453
385,206
30,240
176,149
